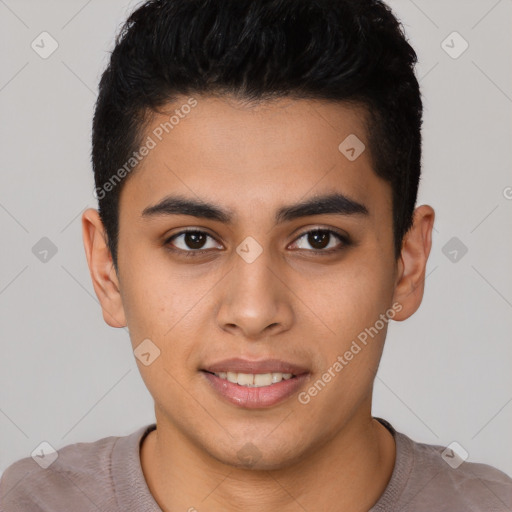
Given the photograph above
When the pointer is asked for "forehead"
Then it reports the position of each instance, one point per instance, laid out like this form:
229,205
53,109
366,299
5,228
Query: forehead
252,157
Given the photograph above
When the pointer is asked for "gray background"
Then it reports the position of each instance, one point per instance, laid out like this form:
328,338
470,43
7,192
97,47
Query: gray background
65,376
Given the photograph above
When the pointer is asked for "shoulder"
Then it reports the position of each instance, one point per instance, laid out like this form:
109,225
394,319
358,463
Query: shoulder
78,475
440,479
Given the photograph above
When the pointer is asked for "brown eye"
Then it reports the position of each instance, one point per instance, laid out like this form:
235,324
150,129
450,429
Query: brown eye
322,240
191,241
194,239
319,239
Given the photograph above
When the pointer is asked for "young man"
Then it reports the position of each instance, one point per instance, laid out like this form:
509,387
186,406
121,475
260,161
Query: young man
257,165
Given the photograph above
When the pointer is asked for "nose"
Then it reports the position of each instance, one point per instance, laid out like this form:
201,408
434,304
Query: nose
256,301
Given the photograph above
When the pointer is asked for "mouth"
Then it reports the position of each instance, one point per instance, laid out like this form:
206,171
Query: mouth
255,384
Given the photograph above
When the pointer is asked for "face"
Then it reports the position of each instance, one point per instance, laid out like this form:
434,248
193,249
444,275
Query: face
258,276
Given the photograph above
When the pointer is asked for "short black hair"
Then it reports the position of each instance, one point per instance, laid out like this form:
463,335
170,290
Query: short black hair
350,51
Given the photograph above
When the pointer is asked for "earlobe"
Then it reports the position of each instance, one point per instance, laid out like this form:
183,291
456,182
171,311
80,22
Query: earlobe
104,277
416,247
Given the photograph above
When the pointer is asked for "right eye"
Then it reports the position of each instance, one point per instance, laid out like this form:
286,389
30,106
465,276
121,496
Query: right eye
191,242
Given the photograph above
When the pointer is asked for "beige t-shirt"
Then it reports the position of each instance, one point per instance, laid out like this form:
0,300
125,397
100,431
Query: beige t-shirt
106,476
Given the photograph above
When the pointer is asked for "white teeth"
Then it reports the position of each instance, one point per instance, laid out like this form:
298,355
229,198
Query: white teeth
276,377
254,380
232,377
245,379
262,379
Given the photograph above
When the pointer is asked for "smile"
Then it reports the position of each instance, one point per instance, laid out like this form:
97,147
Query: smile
254,380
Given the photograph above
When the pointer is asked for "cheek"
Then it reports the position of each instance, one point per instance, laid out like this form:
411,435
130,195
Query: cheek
159,309
150,305
151,294
167,307
352,298
351,303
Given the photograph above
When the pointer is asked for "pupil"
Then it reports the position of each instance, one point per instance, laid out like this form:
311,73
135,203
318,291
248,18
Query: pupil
194,239
319,239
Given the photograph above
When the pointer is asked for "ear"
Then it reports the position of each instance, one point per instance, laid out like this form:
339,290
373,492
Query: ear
410,281
101,267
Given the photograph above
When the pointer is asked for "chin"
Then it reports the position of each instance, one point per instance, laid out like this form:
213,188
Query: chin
258,455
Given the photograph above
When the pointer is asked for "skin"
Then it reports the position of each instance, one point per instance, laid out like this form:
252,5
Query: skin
289,304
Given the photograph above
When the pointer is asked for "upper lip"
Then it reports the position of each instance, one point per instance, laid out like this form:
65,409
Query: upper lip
239,365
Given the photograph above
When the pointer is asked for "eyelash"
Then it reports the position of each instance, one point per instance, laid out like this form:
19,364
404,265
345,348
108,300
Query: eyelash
318,252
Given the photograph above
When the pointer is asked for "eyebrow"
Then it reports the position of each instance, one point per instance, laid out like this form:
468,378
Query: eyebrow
335,203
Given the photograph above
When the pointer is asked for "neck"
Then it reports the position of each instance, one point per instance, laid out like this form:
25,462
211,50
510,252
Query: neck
348,472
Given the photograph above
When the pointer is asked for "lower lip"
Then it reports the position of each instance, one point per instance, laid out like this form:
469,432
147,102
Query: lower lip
256,398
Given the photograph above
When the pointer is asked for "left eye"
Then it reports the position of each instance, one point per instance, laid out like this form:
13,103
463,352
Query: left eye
321,239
